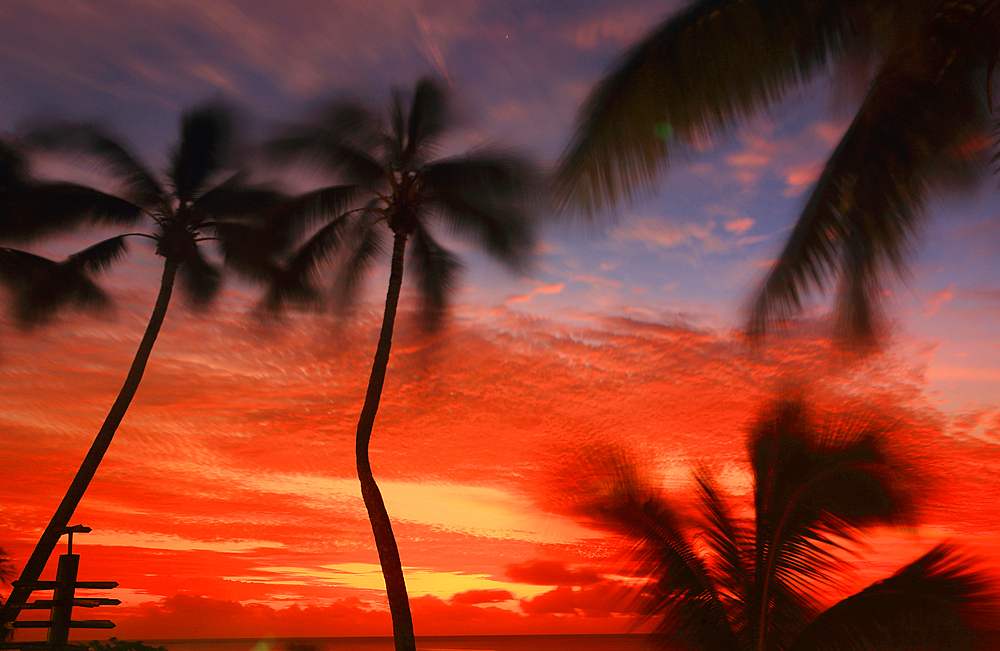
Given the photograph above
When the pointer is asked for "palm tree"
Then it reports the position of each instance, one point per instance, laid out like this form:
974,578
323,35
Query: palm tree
390,166
719,62
723,583
192,209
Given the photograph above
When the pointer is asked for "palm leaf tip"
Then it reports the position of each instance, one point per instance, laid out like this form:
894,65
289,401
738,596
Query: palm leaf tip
14,168
695,75
286,288
365,244
94,142
437,273
39,209
43,287
343,140
101,256
199,279
206,139
943,600
427,119
843,470
489,196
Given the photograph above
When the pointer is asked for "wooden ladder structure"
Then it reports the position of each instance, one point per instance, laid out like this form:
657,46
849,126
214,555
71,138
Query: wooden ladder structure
61,605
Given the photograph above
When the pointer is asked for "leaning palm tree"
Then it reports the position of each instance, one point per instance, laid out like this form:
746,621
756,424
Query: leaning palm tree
719,62
193,208
404,192
723,583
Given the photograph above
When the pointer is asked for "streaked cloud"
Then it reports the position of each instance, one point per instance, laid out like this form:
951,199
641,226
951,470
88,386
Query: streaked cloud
739,226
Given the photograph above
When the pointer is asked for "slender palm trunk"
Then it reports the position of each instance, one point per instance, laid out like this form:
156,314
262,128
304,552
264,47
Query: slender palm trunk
385,542
50,537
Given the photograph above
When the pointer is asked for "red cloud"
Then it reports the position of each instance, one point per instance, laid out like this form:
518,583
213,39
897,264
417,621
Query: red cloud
601,600
473,597
551,573
204,617
217,482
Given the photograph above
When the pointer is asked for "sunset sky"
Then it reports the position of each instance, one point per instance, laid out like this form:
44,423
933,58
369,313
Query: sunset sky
228,504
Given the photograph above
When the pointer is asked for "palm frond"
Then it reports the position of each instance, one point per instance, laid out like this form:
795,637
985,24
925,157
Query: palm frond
341,144
99,257
200,281
395,140
905,143
427,121
234,199
286,288
496,172
18,269
488,197
365,243
731,546
43,287
816,484
205,145
14,168
939,602
294,282
713,64
437,273
683,596
301,213
40,209
354,123
251,250
141,186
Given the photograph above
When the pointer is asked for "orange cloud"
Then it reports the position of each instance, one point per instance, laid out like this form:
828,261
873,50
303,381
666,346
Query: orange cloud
739,226
935,301
551,573
553,288
481,597
232,477
800,177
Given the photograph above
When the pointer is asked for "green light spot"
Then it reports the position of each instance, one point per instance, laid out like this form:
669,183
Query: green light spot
664,131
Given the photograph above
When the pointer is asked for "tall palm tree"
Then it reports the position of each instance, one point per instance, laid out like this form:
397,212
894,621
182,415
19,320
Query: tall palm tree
724,583
390,165
719,62
194,207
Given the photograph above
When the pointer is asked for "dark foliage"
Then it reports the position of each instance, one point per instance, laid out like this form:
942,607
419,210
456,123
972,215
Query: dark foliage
719,62
724,583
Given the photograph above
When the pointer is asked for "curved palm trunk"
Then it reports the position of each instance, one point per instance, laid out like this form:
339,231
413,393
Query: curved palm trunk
50,537
385,542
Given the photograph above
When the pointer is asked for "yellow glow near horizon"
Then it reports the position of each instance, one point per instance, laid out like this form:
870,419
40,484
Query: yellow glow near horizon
419,582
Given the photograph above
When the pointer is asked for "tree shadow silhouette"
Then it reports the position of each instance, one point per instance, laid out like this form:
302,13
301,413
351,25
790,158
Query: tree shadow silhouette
754,583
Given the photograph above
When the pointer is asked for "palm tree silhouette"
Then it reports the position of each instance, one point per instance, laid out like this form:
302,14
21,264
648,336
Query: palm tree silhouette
723,583
719,62
483,195
194,208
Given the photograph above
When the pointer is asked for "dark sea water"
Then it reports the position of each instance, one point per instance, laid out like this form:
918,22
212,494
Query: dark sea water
440,643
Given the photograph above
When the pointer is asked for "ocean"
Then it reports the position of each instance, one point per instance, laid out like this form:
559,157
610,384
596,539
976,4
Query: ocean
436,643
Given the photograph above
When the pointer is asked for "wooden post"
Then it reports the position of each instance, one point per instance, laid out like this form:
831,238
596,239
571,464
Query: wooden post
62,602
